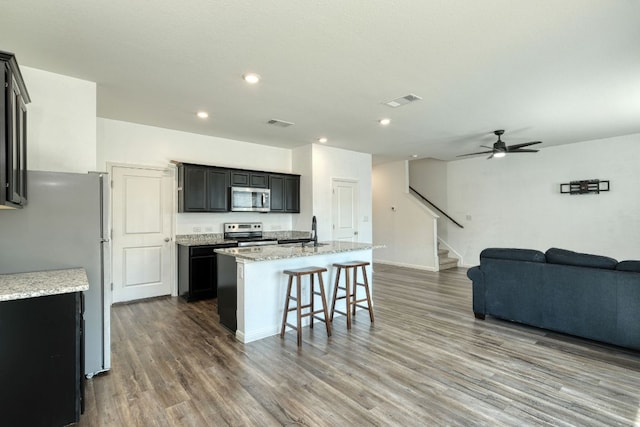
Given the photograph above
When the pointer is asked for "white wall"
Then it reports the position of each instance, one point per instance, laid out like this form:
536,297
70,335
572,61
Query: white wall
400,221
429,178
302,159
61,122
130,143
333,163
516,201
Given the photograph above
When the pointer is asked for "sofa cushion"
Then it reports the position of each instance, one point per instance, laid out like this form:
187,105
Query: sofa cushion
513,254
629,266
563,256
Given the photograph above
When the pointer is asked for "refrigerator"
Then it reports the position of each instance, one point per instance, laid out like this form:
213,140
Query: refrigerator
65,225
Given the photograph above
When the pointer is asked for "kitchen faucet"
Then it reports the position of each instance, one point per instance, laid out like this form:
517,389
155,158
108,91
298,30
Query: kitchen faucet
314,230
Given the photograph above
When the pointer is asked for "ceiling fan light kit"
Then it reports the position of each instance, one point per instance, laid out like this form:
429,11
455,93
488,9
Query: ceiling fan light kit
500,149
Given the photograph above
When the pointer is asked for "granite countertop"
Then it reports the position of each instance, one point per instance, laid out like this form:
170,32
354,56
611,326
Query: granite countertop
218,238
293,250
41,283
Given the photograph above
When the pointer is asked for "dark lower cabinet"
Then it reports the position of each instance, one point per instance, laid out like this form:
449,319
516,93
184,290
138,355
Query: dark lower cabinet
41,348
227,292
197,266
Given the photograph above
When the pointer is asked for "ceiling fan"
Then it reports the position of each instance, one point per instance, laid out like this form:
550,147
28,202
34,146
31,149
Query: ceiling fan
500,149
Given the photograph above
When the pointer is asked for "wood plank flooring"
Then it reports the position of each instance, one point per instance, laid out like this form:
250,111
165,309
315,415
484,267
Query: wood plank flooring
426,361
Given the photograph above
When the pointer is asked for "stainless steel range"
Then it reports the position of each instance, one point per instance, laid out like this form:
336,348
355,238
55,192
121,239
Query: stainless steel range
247,234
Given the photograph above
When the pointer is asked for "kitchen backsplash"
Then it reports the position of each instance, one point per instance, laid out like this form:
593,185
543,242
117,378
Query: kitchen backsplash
203,223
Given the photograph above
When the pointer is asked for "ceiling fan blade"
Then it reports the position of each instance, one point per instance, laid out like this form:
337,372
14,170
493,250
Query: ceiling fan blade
490,157
526,144
523,150
484,146
473,154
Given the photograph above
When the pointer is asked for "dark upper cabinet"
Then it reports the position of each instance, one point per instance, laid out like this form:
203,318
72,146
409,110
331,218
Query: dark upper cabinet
202,189
217,190
206,188
13,134
285,193
240,178
292,194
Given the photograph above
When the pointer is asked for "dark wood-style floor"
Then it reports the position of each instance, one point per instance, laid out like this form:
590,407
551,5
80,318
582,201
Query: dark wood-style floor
426,361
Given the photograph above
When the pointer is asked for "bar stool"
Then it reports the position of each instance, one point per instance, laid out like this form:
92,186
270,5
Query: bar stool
350,290
298,273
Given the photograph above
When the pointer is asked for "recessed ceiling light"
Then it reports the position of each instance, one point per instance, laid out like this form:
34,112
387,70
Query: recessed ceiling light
384,122
251,78
322,140
202,114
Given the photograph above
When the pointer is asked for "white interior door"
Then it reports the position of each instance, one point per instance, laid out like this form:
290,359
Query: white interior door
142,219
345,210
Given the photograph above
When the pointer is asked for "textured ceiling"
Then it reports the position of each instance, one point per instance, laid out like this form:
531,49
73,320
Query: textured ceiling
557,71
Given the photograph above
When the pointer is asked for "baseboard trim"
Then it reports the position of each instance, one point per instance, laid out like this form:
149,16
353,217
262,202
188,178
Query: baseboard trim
406,265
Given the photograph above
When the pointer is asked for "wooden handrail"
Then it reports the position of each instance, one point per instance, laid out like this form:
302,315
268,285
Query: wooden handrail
437,208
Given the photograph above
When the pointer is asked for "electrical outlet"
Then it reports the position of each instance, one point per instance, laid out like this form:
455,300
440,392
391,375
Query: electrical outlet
197,229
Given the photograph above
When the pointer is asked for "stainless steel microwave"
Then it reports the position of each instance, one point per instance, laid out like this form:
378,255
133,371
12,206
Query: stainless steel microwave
246,199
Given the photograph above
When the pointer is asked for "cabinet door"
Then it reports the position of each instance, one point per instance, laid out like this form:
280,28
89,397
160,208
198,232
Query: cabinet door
240,178
217,190
276,185
291,194
259,180
194,189
202,277
16,116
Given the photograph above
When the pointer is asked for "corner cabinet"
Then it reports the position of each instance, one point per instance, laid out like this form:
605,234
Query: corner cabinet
202,189
41,360
13,134
285,193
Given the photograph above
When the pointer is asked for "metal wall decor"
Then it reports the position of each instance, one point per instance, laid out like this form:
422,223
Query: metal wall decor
585,186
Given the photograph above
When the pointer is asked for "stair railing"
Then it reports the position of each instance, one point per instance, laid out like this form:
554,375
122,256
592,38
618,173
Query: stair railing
417,193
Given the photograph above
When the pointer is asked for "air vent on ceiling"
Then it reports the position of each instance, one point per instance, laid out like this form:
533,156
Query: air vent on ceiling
280,123
403,100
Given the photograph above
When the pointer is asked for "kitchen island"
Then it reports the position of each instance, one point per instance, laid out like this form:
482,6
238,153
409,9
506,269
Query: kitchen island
252,288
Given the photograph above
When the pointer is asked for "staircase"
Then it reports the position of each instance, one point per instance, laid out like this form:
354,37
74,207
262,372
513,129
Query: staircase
445,261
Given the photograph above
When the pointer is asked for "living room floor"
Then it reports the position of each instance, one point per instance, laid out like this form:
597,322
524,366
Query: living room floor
426,361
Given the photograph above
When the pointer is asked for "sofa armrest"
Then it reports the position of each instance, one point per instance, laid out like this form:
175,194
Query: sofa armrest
477,277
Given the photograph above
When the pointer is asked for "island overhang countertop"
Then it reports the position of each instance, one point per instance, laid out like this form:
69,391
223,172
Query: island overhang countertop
293,250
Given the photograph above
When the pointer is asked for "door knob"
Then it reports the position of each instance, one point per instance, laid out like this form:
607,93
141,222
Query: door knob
166,239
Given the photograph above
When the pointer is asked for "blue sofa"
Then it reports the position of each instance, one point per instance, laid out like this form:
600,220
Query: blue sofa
589,296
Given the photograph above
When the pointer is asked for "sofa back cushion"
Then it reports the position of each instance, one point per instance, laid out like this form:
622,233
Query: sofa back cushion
513,254
565,257
633,266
